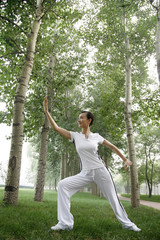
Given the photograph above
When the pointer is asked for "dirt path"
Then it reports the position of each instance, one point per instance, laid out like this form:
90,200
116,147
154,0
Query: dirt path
155,205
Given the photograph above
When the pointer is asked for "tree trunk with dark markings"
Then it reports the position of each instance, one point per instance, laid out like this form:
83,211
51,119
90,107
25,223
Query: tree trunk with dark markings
13,175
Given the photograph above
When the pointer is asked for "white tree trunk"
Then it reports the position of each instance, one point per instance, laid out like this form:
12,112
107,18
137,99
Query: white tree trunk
39,191
40,182
135,195
158,41
12,182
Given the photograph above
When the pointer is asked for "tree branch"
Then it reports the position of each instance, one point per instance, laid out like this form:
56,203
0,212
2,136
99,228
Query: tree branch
11,53
57,14
8,20
30,2
151,2
48,9
12,40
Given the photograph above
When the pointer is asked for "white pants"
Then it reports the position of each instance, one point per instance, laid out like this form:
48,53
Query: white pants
70,185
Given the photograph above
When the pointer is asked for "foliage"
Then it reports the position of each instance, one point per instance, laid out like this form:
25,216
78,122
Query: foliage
148,145
14,28
148,109
87,38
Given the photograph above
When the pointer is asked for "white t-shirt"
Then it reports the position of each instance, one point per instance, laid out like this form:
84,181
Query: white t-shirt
87,149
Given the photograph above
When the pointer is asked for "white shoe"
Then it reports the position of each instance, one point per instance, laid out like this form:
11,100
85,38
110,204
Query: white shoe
132,228
59,227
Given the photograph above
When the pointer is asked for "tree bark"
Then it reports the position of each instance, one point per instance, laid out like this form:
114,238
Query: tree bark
39,191
13,175
55,184
149,181
95,190
65,160
147,178
158,42
63,165
135,193
157,7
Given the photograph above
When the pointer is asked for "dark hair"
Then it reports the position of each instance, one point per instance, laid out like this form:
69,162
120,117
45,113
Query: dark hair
89,115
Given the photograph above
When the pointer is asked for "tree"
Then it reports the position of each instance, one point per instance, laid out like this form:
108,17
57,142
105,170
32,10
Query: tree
52,163
90,49
109,35
44,136
12,182
15,28
157,7
148,151
135,194
58,83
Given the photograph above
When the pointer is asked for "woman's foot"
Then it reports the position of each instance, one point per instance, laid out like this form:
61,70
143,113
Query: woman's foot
132,228
59,227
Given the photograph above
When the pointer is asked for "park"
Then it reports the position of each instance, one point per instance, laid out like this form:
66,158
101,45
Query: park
61,61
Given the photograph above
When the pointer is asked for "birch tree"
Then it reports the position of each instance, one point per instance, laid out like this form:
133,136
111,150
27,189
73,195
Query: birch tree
148,143
135,194
156,5
13,175
39,191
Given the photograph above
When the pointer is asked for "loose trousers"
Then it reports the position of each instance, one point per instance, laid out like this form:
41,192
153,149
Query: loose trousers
70,185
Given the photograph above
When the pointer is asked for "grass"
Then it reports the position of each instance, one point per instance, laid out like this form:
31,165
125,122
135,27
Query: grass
154,198
94,219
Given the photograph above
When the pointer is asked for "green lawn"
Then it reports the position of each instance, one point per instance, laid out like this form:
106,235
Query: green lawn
154,198
94,219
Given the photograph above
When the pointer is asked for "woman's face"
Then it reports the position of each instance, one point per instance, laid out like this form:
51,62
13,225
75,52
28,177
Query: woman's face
83,121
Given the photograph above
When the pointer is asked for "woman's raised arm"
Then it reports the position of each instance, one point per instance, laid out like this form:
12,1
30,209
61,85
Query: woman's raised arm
65,133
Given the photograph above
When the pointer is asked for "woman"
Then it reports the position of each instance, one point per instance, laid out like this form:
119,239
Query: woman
93,170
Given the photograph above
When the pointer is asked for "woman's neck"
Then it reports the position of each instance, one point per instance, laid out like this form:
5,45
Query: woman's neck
86,131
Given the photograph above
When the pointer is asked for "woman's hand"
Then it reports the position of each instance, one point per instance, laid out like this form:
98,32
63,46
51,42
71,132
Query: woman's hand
54,125
45,104
127,164
116,150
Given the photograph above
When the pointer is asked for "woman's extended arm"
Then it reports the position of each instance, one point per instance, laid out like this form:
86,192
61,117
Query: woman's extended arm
54,125
116,150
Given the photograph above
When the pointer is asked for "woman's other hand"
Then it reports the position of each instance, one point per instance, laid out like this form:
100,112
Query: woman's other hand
45,104
127,164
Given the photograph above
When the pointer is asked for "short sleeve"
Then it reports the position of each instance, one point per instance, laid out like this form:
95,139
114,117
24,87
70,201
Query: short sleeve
72,136
100,139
